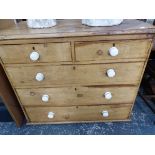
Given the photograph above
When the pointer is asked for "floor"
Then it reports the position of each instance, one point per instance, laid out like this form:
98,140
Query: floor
142,122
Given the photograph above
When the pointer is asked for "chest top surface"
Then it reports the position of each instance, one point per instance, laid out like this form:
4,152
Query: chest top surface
74,28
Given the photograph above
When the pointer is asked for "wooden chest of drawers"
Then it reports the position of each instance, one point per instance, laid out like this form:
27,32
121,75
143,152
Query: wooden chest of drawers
75,73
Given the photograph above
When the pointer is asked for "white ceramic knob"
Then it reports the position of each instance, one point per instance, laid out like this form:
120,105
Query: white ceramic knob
108,95
113,51
105,113
40,77
34,56
111,73
45,98
51,115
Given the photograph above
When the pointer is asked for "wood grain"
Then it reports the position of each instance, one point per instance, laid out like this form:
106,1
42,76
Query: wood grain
10,100
74,70
123,37
72,28
24,77
94,51
78,113
49,52
6,23
69,96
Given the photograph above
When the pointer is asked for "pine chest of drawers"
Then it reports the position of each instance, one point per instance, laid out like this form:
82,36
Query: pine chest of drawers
75,73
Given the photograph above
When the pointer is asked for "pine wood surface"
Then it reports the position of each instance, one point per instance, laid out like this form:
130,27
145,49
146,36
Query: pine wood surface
90,51
50,52
9,99
71,28
96,74
74,70
69,96
78,113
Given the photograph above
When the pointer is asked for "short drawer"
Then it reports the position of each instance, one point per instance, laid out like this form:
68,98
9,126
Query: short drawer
97,51
42,76
69,96
28,53
78,113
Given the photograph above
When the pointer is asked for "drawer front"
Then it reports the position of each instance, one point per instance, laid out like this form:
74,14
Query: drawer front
69,96
125,73
78,113
50,52
97,51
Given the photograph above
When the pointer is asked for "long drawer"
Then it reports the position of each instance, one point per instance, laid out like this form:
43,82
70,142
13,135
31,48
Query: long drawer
69,96
50,52
25,76
96,51
78,113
